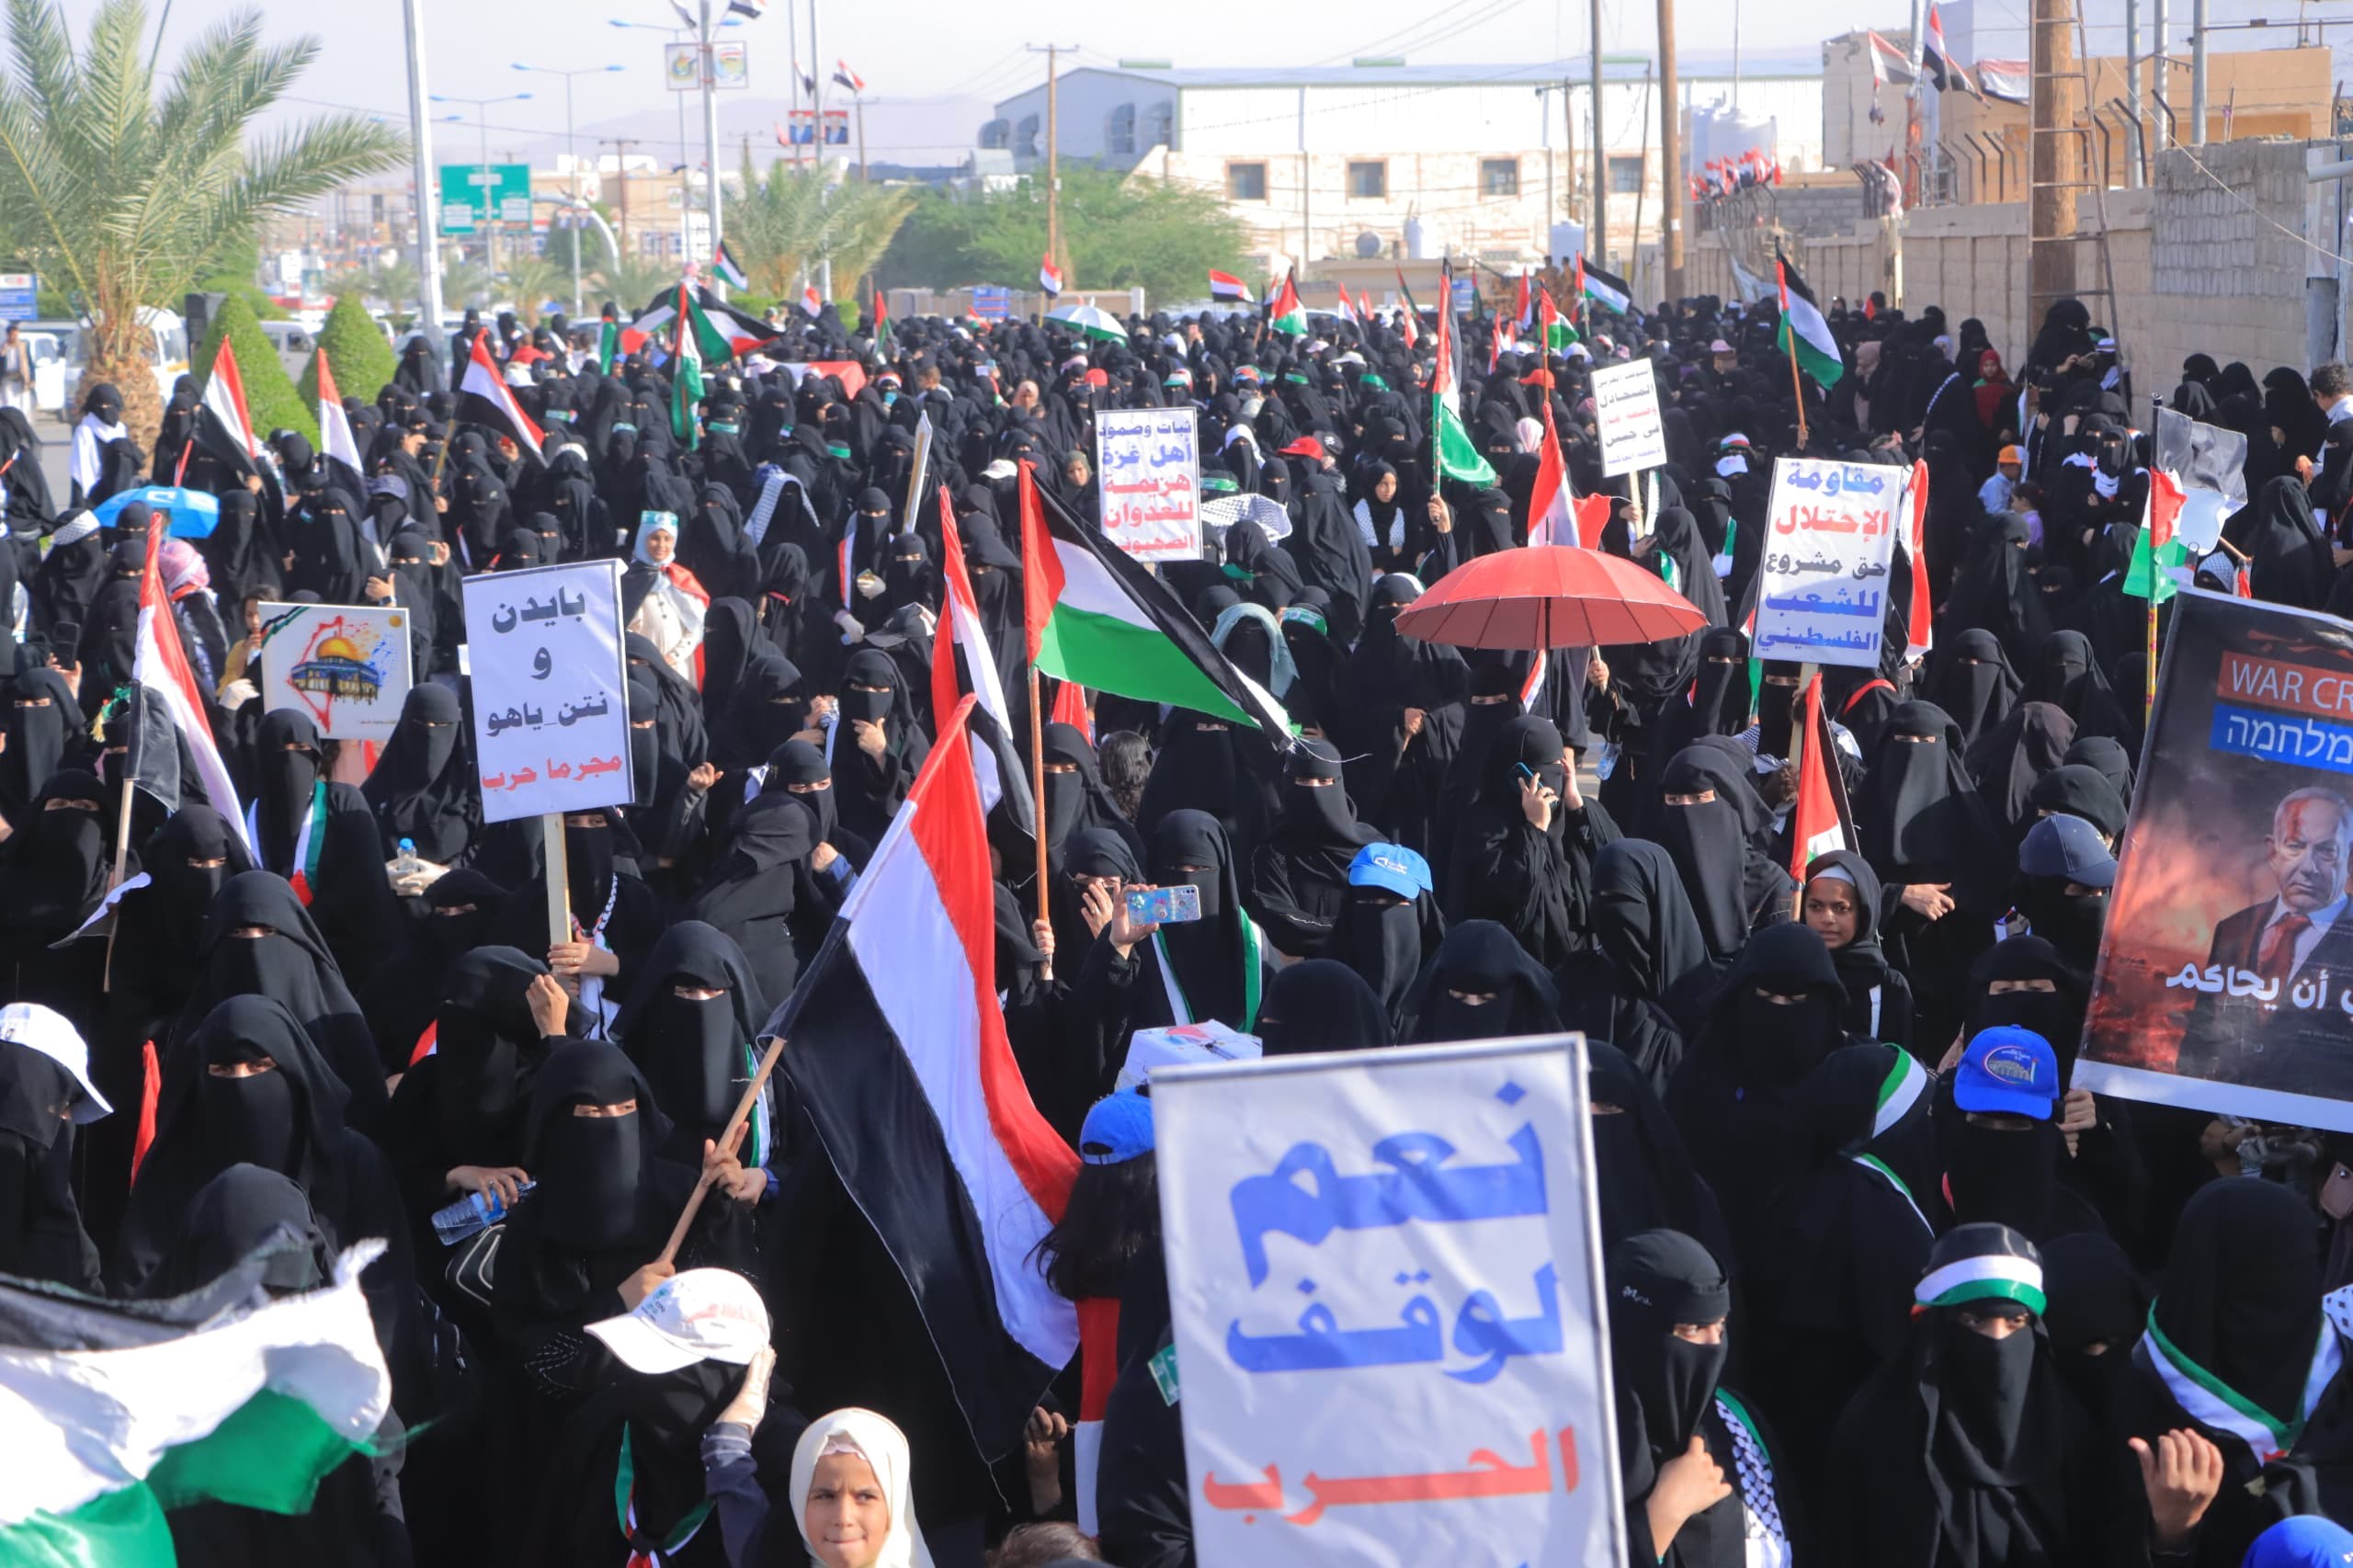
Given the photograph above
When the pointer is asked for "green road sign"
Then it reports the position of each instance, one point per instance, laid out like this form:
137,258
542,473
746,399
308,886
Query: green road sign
473,193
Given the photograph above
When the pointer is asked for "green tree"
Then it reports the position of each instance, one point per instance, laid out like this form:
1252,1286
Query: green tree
631,285
236,270
355,350
125,183
795,219
270,398
1119,231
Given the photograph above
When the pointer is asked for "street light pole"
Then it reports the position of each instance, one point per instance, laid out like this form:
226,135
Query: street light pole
428,224
702,32
571,156
711,139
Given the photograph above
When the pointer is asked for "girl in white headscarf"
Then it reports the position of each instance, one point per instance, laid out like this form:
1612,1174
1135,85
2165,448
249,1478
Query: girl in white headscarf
851,1494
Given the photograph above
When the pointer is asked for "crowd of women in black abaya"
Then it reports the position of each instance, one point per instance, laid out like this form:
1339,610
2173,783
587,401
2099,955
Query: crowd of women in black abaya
2135,1365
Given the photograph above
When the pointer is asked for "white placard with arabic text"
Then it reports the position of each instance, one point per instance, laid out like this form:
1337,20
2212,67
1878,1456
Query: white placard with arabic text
551,690
1384,1271
1625,407
1829,538
1148,466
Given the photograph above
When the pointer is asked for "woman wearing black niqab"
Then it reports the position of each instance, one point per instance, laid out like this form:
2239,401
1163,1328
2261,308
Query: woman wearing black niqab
1299,876
1482,984
1670,1308
1734,887
55,867
1643,1175
1975,684
423,788
2291,561
1182,973
43,1107
752,894
2008,760
2067,674
876,748
692,1026
1318,1004
1994,592
1522,855
43,736
1969,1450
67,582
1647,958
322,836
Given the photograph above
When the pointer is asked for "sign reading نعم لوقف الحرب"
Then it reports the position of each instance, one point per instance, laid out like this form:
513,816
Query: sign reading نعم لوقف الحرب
345,665
1625,406
1385,1284
550,692
1829,535
1148,463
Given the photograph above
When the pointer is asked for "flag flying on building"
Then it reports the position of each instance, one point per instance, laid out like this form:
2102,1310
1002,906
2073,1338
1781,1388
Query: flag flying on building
1603,286
335,442
730,271
1815,826
1284,313
1458,456
1050,276
916,1098
847,77
1226,286
160,665
109,1417
486,399
1802,330
223,427
1096,616
1936,57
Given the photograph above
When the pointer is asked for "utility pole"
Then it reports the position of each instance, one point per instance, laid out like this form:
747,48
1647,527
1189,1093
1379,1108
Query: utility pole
2198,73
1544,129
621,146
1670,158
2054,150
1569,142
1052,51
1597,241
710,137
1306,188
817,143
859,101
428,219
2133,94
2160,86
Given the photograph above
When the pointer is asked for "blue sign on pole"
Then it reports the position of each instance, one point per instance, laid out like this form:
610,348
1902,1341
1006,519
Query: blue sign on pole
993,303
18,291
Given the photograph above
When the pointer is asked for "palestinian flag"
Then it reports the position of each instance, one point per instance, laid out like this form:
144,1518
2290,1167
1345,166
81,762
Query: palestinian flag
728,269
2156,550
882,324
112,1414
1226,286
1815,826
1450,439
917,1099
1816,350
1558,332
608,339
223,427
743,331
1284,313
335,442
1095,618
484,399
1604,288
1920,620
160,666
1049,277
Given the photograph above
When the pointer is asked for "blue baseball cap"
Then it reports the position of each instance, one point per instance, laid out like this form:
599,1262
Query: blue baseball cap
1391,866
1117,1129
2067,846
2008,1068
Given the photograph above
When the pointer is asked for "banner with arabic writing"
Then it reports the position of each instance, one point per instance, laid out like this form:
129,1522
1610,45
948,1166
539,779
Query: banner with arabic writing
550,692
1828,537
2225,975
1148,462
345,665
1384,1277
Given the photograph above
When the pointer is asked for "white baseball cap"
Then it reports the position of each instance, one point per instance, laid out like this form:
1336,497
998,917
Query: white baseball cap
704,1314
36,1028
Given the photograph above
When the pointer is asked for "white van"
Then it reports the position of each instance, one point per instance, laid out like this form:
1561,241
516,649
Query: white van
294,343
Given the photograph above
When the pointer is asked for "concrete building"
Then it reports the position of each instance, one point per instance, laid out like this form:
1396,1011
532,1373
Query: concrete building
1323,162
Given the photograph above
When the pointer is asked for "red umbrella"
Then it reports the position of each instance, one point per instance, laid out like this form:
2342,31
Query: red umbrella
1549,595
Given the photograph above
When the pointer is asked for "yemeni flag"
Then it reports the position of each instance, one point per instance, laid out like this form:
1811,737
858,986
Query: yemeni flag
1920,631
112,1414
1226,286
1523,311
1804,334
1049,277
2155,551
728,269
1815,825
1555,514
1604,288
484,399
335,442
160,666
223,427
1098,619
920,1107
1456,457
1936,57
1284,313
995,762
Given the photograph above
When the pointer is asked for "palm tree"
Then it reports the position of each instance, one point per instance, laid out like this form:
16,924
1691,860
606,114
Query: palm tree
532,281
125,192
784,227
632,283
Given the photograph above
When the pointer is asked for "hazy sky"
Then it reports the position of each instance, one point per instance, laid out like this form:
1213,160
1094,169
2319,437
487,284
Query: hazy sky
932,67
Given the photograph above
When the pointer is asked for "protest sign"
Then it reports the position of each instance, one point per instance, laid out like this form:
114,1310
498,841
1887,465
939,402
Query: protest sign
345,665
2225,973
1829,534
549,688
1149,463
1385,1286
1625,406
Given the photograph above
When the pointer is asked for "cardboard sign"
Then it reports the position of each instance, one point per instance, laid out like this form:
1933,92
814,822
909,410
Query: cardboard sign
1148,465
550,689
345,665
1829,535
1625,406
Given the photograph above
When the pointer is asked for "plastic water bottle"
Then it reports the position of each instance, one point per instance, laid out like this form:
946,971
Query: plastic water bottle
474,1212
406,863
